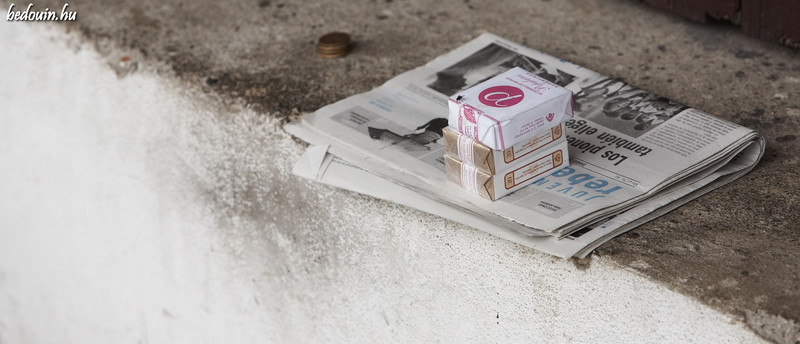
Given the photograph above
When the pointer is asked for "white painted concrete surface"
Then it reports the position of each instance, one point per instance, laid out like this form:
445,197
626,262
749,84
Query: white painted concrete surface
137,210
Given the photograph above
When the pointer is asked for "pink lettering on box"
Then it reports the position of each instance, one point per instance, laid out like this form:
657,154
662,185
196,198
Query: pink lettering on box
501,96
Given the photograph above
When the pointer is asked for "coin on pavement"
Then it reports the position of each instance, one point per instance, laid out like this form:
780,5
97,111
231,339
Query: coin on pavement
334,44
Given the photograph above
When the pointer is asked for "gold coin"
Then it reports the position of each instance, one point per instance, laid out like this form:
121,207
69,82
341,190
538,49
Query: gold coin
333,53
334,44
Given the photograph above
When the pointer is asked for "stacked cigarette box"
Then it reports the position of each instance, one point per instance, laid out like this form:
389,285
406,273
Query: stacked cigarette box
505,132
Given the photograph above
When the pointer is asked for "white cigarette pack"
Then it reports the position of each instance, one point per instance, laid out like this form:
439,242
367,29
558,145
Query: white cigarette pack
493,187
510,107
464,148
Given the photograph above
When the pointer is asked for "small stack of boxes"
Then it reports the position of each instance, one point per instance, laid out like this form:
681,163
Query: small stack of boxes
505,132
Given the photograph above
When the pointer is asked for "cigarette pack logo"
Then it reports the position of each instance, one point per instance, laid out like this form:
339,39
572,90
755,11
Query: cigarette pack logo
558,158
469,115
501,96
509,180
556,132
549,117
468,121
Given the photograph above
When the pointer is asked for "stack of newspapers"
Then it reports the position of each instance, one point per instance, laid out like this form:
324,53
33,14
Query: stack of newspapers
633,155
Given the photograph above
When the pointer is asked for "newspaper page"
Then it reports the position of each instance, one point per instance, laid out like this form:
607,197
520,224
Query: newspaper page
626,145
316,164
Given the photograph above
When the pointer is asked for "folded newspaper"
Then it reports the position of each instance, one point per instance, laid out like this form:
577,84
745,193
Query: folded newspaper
633,155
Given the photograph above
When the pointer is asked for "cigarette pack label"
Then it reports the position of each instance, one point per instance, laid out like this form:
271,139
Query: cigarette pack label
533,169
469,178
501,96
465,150
509,108
531,145
468,121
491,161
493,187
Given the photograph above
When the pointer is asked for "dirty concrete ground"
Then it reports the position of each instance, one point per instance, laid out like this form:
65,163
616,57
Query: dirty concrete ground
139,208
735,249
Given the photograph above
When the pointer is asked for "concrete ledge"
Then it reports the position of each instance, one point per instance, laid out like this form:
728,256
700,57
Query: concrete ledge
173,216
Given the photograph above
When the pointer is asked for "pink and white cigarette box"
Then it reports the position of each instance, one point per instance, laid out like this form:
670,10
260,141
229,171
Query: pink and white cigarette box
508,108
